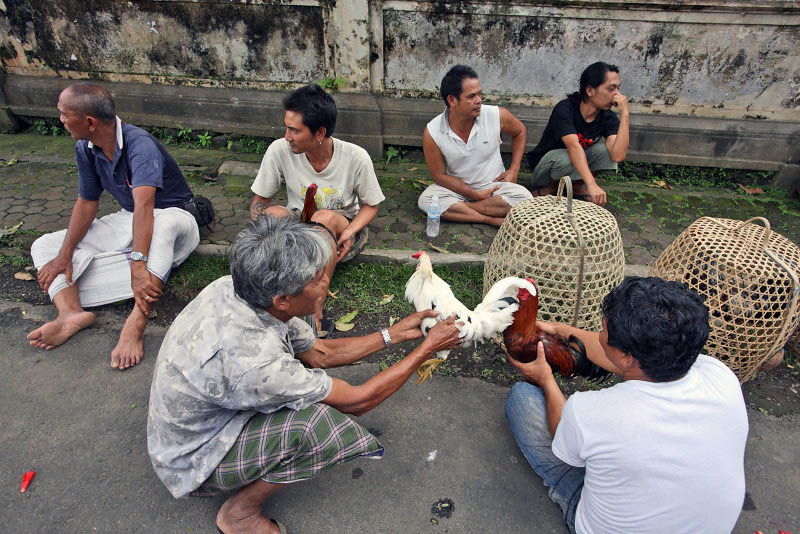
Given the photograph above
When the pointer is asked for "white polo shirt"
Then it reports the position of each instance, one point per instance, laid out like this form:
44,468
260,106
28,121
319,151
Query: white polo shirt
476,162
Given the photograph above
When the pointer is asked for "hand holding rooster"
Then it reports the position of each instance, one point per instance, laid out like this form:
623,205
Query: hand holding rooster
538,371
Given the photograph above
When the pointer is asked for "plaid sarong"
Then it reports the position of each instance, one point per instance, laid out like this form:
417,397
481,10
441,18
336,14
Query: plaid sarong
288,446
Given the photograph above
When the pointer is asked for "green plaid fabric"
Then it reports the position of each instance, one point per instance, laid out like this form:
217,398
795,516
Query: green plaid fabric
289,446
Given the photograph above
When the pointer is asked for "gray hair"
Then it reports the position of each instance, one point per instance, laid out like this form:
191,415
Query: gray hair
276,256
91,100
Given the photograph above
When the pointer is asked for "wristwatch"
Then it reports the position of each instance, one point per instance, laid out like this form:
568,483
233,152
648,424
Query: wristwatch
387,339
138,256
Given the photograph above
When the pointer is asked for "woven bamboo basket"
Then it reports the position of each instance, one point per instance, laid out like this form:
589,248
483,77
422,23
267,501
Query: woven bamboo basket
572,248
747,273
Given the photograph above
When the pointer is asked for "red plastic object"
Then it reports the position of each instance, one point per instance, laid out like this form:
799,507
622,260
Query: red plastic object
26,479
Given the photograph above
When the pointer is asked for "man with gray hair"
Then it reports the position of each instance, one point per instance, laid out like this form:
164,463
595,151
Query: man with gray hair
239,399
122,255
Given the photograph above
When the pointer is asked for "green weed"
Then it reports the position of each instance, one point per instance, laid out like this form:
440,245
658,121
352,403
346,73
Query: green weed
196,273
332,83
204,140
18,262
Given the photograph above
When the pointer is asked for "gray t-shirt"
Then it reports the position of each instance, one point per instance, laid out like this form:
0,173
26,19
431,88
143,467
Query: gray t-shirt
221,362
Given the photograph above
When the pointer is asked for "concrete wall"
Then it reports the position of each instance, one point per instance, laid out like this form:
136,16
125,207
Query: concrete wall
710,81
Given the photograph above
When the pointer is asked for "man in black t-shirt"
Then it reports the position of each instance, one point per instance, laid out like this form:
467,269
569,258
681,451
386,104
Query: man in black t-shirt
570,144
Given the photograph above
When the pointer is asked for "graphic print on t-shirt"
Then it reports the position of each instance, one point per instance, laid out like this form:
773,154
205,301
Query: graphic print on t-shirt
327,198
584,141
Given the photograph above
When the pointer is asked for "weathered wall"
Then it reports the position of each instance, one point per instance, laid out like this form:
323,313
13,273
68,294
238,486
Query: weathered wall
727,72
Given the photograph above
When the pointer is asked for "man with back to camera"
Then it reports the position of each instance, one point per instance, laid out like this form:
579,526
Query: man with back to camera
660,452
462,150
570,144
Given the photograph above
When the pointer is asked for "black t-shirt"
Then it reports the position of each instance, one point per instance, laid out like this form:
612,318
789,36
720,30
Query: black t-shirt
566,119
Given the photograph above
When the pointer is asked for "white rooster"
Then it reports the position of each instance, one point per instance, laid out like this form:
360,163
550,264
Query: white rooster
426,291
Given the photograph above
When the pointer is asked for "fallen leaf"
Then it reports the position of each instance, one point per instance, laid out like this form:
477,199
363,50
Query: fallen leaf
133,406
348,317
24,276
344,327
438,249
11,161
751,190
11,230
332,294
30,268
386,299
426,183
392,320
662,184
26,479
412,169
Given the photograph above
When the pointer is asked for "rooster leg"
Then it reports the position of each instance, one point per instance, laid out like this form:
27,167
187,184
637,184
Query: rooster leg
426,368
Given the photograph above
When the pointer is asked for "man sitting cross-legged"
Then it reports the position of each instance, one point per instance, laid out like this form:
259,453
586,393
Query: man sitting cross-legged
240,400
570,144
122,255
662,451
462,150
348,193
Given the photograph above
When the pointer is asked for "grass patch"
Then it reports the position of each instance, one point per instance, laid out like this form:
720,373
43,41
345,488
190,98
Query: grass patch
18,262
689,176
196,273
362,286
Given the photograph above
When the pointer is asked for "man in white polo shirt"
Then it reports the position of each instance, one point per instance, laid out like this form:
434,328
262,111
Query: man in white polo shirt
462,150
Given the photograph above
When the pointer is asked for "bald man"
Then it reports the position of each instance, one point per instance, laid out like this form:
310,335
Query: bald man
122,255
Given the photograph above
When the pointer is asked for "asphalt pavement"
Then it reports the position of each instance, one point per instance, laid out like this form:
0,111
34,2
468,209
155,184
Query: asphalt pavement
81,426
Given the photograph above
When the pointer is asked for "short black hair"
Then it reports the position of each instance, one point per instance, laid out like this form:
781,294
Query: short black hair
315,105
454,80
663,325
593,76
91,100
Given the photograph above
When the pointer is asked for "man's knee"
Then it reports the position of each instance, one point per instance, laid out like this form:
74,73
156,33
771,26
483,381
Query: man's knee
525,398
333,220
46,247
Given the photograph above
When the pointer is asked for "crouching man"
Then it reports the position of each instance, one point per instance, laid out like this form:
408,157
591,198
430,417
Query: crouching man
662,451
233,405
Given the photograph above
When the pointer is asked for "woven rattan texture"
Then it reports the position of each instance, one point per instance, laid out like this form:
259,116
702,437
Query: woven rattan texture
748,294
537,240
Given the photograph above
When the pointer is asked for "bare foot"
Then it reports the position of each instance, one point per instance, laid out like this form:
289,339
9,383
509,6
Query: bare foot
56,332
232,519
130,347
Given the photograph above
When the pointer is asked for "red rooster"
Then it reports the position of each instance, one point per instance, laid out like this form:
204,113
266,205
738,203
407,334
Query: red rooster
309,204
567,357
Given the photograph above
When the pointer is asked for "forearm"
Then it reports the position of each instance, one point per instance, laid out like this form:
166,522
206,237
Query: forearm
454,184
364,216
337,352
578,158
142,230
591,340
363,398
620,148
258,205
517,150
83,214
555,400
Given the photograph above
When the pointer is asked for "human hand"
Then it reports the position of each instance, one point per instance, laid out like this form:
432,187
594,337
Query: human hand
408,328
60,264
343,244
538,372
145,290
620,102
483,194
443,336
596,194
509,176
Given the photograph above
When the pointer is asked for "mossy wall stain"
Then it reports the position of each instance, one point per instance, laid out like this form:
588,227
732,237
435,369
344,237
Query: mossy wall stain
213,40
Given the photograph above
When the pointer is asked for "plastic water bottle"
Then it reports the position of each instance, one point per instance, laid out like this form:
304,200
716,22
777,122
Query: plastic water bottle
434,215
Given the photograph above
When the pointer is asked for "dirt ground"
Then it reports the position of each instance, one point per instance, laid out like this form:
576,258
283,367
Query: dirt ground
773,392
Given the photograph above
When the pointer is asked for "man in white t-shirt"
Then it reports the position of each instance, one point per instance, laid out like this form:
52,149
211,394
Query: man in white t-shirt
462,150
662,451
348,193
